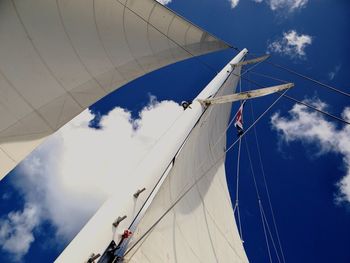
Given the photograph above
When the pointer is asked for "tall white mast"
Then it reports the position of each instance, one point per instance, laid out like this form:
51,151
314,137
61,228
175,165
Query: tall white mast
99,231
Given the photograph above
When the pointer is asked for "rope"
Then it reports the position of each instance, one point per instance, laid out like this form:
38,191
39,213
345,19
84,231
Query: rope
268,228
259,199
200,178
309,79
237,178
266,188
261,208
265,234
237,190
304,77
267,76
302,103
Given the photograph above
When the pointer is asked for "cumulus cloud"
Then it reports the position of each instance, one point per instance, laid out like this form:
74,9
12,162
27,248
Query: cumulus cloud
290,5
75,170
291,44
164,2
234,3
284,5
312,128
16,231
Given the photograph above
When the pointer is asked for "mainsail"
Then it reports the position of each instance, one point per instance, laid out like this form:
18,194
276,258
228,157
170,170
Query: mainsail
58,57
190,217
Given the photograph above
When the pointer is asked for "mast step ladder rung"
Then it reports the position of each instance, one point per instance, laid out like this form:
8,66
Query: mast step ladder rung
93,257
119,220
136,195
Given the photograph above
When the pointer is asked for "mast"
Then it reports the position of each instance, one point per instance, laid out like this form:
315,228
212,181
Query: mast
98,233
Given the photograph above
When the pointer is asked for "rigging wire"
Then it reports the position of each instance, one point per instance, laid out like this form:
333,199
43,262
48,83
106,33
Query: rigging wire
201,177
309,79
267,189
267,76
303,76
264,220
237,177
302,103
237,191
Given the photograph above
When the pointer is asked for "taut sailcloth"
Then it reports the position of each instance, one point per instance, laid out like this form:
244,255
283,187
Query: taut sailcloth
189,216
58,57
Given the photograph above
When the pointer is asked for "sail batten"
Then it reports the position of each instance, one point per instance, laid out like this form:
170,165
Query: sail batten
59,57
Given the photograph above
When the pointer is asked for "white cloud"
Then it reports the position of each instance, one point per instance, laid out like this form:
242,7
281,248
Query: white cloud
234,3
75,170
284,6
164,2
16,231
334,72
312,128
290,5
291,44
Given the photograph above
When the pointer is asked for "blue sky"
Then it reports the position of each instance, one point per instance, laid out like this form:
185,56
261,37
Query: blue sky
305,156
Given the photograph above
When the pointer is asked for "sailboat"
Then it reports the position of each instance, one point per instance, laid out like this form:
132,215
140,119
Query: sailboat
73,53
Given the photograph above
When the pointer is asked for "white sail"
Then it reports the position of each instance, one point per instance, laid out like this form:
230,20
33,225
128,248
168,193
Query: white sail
99,231
201,225
57,57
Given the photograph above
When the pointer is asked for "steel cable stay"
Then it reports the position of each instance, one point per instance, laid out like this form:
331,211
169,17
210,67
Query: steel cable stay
261,208
236,207
309,79
265,181
288,97
144,235
329,87
267,189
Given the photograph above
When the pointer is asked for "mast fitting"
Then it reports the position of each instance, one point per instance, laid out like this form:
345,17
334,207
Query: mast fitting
118,220
136,195
93,257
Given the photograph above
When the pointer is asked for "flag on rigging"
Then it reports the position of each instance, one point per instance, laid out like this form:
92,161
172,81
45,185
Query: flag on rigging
239,120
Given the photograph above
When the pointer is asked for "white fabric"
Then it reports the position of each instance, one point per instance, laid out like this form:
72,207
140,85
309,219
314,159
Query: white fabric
57,57
201,226
99,232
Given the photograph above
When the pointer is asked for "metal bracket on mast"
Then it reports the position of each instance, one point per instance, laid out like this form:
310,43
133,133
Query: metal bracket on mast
93,257
118,220
136,195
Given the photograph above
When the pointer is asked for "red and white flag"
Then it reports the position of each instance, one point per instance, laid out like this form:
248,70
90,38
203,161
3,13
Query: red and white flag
239,120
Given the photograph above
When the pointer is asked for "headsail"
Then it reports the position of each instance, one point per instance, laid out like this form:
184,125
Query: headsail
59,57
195,143
200,227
